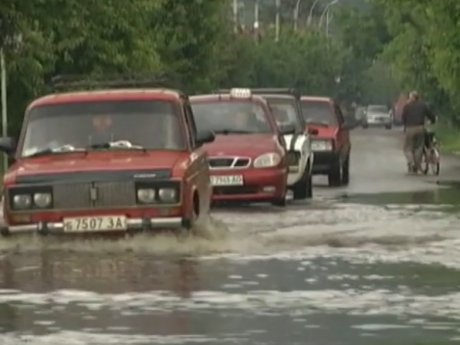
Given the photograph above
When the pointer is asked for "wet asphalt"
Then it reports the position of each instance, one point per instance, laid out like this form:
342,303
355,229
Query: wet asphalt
375,262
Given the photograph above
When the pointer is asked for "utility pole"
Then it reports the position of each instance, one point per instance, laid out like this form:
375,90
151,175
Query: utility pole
235,16
256,20
277,22
310,14
3,97
296,14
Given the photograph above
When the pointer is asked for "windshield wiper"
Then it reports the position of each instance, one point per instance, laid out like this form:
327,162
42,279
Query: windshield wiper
232,131
119,144
55,150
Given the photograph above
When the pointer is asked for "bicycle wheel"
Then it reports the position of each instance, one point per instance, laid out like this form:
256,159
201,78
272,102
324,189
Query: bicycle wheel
435,161
425,165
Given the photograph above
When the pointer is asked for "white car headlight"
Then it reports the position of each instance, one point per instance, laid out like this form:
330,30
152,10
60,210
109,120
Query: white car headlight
267,160
321,145
146,195
42,200
22,201
168,195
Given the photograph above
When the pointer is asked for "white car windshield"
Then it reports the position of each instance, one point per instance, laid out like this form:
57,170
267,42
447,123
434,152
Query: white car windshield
377,109
231,117
285,112
102,125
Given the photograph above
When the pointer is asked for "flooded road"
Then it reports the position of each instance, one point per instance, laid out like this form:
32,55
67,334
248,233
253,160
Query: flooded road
376,262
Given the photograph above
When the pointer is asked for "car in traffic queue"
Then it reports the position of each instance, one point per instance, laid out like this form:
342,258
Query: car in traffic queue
247,160
101,161
331,145
285,104
377,116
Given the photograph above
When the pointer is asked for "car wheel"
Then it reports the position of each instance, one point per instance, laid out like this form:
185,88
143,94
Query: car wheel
280,202
303,188
365,125
388,126
189,223
335,174
346,171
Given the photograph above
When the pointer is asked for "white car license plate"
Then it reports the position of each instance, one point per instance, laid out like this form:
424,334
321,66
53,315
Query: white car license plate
230,180
89,224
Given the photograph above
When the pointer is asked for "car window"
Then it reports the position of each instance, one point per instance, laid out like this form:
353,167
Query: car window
231,117
149,124
318,112
285,112
378,108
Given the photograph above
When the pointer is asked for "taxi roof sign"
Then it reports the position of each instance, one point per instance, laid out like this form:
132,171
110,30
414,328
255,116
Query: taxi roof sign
240,93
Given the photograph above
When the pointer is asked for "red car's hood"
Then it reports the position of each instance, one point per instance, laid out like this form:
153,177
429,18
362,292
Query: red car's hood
94,161
242,144
323,131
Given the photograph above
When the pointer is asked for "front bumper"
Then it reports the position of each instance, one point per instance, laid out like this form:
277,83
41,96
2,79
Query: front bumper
133,224
259,185
323,162
382,121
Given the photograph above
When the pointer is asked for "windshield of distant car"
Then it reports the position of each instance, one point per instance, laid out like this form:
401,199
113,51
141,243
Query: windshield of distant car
377,109
85,125
285,112
318,112
231,117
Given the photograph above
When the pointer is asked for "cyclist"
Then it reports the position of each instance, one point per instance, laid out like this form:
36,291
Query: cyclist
414,114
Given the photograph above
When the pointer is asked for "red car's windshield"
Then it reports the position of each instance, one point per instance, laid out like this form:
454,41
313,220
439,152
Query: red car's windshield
318,112
227,117
84,125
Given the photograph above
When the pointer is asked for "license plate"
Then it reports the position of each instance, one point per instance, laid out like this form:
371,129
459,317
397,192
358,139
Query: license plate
89,224
234,180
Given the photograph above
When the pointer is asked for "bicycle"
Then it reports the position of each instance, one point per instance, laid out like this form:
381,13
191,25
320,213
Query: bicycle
431,156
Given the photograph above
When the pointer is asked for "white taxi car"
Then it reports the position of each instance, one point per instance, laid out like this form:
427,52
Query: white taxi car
286,106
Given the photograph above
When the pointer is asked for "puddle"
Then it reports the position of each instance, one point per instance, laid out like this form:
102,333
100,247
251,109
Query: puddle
441,196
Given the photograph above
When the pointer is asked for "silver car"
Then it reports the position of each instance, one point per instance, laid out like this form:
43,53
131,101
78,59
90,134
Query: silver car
378,116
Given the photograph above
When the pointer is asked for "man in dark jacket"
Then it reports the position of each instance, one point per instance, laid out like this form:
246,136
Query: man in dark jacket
414,114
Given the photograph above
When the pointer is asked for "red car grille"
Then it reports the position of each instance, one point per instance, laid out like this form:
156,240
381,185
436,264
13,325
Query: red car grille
109,194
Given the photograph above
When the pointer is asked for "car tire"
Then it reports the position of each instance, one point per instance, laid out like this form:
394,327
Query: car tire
388,126
365,126
303,188
335,174
346,171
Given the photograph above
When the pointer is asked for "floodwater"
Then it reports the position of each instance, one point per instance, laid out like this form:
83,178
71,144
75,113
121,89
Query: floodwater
377,262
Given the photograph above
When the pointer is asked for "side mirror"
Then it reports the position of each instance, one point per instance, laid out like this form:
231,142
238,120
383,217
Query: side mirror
204,137
7,146
287,129
313,131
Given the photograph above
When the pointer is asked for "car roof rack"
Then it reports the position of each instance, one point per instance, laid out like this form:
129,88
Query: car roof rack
273,91
85,82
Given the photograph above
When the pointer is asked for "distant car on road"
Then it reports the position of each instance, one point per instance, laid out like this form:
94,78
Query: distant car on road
107,161
378,116
248,159
331,146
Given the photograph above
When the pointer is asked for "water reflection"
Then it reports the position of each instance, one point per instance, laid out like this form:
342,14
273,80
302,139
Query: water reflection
53,270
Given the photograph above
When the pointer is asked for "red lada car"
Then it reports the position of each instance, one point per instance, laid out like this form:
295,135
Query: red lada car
248,157
106,161
331,146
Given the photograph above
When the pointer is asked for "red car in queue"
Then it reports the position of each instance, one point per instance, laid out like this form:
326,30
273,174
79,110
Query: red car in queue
248,157
106,161
331,146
